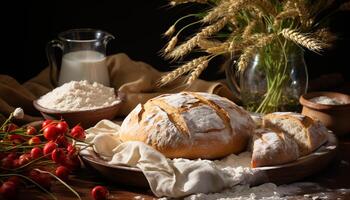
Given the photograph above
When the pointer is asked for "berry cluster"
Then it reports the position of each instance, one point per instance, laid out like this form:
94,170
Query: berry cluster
32,156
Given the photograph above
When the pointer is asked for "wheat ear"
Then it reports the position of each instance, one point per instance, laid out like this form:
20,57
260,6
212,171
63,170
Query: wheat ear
170,31
218,12
250,51
326,36
180,71
197,71
267,7
302,39
177,2
171,45
283,15
205,44
249,29
186,47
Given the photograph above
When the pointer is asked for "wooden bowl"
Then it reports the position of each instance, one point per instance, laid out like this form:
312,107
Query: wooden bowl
278,174
86,118
334,117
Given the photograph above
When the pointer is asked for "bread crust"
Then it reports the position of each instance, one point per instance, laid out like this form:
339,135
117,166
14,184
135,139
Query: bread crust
313,130
273,147
189,125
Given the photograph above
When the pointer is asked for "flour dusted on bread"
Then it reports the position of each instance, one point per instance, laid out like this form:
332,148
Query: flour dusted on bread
308,133
273,147
189,125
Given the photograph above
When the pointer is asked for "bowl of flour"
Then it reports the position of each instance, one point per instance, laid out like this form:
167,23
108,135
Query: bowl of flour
331,108
80,102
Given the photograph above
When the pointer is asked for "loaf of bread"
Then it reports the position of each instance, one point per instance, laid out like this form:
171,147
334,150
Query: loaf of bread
309,134
189,125
272,147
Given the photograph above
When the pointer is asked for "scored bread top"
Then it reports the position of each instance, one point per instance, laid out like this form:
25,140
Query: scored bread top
189,125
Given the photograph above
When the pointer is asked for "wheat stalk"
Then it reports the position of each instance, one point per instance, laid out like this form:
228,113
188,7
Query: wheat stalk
218,49
290,13
170,31
237,5
177,2
266,7
186,47
180,71
251,50
218,12
205,44
171,45
197,71
303,12
326,36
249,29
302,39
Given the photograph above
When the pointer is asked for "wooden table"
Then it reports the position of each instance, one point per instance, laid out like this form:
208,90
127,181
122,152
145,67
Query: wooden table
334,179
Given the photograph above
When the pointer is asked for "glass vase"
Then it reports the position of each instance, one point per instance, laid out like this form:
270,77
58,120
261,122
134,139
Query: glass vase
272,81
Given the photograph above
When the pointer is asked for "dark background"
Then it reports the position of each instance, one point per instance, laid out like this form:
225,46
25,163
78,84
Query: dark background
27,26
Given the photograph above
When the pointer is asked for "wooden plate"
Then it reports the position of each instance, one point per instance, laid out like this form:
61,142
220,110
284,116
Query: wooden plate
279,174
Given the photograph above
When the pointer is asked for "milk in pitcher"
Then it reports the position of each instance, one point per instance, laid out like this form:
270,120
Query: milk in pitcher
84,65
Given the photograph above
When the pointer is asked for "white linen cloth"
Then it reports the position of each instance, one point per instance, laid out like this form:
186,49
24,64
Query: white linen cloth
166,177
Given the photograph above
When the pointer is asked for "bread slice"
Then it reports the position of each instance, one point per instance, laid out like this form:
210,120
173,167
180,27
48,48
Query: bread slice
309,134
272,147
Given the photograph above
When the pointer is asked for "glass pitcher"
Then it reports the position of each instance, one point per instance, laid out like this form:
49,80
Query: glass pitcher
83,58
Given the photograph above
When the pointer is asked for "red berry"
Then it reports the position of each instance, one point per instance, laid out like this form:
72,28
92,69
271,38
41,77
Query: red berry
58,155
99,193
70,148
46,122
24,159
8,190
12,155
42,179
72,162
62,141
14,137
11,127
49,147
34,140
7,163
2,155
31,130
77,132
51,132
36,152
62,126
15,179
62,172
15,163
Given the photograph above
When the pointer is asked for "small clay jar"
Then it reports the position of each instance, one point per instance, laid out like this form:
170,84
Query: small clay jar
335,117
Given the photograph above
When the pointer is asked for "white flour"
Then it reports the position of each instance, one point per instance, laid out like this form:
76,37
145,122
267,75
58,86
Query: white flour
326,100
79,95
237,167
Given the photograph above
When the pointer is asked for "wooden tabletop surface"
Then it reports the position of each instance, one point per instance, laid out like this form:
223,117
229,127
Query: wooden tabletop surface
333,180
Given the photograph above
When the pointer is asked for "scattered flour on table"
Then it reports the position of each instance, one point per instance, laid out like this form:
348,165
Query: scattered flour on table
79,95
237,167
270,191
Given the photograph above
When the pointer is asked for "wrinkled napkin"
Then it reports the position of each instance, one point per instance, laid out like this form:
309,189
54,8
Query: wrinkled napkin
166,177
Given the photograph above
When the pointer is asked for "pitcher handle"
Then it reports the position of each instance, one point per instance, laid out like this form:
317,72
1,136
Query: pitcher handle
232,76
50,54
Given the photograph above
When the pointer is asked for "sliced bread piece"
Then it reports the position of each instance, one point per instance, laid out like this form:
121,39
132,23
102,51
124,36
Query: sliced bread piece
308,133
